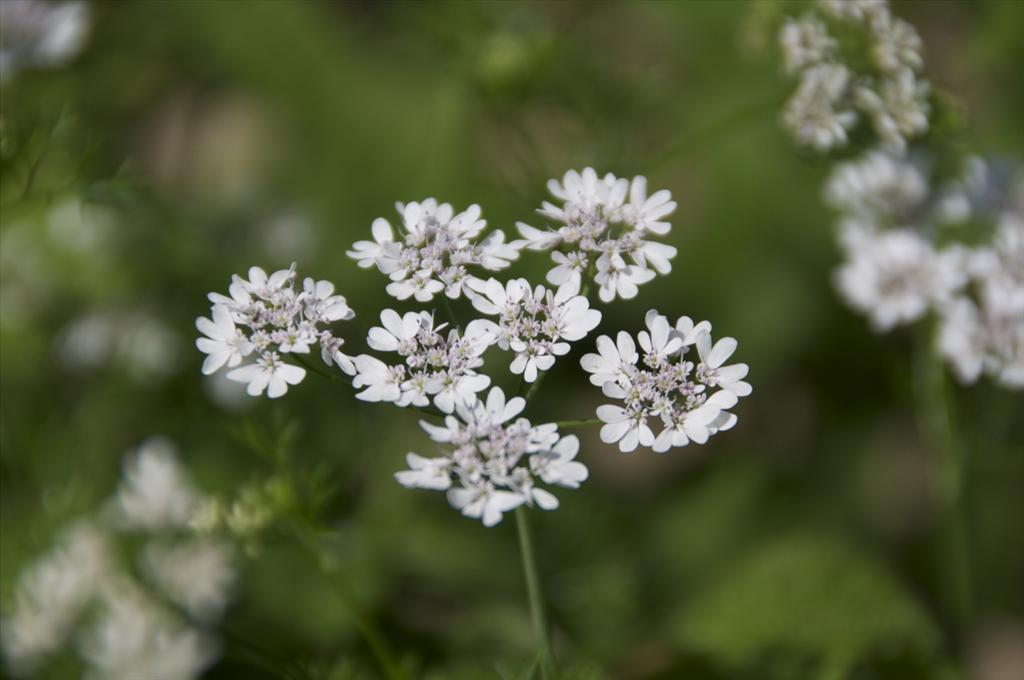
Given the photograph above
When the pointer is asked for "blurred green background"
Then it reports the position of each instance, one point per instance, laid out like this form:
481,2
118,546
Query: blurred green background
190,140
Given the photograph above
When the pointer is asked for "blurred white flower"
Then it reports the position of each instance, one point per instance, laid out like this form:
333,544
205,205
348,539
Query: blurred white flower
896,276
40,34
491,463
986,334
878,187
898,108
434,251
897,45
136,638
818,114
434,366
805,42
603,221
264,316
50,594
854,10
660,383
535,323
154,493
197,574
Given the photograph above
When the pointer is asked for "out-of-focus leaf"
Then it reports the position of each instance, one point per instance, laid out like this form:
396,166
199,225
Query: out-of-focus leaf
806,599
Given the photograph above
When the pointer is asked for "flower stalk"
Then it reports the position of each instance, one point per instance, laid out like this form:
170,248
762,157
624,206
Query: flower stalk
537,613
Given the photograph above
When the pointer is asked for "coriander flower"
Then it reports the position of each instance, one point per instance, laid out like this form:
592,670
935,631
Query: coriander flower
878,187
434,251
265,319
898,107
688,396
535,323
493,461
602,222
805,43
436,366
896,276
818,114
40,34
51,594
154,493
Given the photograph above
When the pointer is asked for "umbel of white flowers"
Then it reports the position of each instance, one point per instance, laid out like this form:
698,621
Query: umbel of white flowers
900,228
602,221
688,396
131,632
265,317
832,97
493,460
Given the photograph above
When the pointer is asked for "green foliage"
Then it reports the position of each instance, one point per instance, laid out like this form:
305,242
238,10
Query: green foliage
810,602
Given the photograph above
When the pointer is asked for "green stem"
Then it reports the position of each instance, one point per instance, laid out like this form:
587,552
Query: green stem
935,418
537,615
373,638
532,391
562,424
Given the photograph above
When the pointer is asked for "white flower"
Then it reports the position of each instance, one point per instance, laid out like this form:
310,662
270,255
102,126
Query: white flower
854,10
896,276
817,113
660,383
484,502
600,229
224,344
197,575
878,187
613,360
898,108
805,43
628,427
491,460
435,366
268,373
265,316
135,638
51,594
711,370
154,493
558,465
986,335
897,44
435,252
425,473
40,34
535,323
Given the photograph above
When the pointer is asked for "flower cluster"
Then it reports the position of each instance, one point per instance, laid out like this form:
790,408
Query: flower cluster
832,97
266,317
689,395
891,220
133,632
493,460
535,323
603,221
435,365
982,329
434,252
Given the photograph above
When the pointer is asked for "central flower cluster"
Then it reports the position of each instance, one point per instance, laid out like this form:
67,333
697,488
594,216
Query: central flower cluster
434,252
493,459
600,227
434,365
535,323
690,398
266,316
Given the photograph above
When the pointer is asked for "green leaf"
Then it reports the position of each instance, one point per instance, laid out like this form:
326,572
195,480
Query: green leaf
806,599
